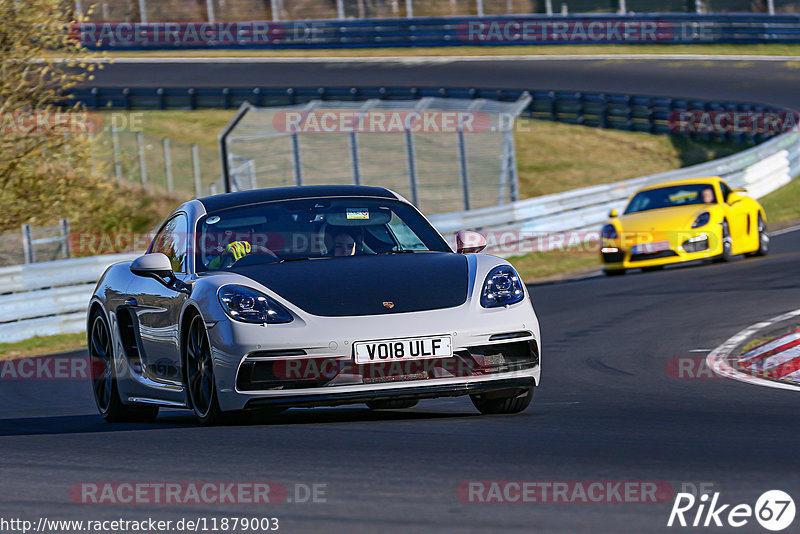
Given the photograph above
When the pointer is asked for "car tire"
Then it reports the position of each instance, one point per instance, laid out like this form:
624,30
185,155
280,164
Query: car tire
614,272
727,245
201,387
503,402
763,239
104,379
392,404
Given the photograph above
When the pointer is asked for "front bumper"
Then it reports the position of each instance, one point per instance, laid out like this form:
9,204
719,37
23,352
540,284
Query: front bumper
319,352
618,254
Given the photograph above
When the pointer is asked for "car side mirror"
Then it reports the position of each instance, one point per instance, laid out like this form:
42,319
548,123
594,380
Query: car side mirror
734,197
155,265
613,213
469,242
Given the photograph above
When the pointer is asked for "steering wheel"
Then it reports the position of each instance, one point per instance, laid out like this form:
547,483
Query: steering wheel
255,256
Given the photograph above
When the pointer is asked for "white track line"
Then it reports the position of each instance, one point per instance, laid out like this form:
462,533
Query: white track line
785,231
718,359
442,59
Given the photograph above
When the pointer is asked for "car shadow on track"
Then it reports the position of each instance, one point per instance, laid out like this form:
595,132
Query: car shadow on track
78,424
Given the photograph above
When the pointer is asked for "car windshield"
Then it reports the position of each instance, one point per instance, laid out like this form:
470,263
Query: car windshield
668,197
310,229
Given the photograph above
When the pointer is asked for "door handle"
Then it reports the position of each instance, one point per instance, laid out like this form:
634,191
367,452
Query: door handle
131,302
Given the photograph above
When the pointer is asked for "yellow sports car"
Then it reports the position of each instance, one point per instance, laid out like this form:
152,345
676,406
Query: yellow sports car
683,220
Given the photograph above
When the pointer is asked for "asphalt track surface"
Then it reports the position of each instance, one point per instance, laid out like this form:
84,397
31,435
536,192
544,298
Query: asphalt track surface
765,82
607,408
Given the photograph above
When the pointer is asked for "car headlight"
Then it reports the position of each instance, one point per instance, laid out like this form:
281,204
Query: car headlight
502,286
701,220
609,231
250,306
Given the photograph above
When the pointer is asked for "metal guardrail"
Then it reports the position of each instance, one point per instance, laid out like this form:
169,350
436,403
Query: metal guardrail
49,298
603,110
667,28
761,170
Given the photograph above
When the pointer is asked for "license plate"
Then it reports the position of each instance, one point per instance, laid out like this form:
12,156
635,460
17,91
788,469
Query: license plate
388,350
651,248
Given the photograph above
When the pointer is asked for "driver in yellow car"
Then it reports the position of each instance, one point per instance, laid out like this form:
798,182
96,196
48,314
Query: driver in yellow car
708,196
233,253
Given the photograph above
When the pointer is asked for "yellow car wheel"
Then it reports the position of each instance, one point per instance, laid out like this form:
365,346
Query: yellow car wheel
727,244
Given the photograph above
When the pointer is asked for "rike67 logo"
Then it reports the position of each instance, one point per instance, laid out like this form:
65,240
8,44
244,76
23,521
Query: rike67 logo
774,510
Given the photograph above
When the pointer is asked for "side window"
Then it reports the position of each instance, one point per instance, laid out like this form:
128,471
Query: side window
171,241
725,190
405,236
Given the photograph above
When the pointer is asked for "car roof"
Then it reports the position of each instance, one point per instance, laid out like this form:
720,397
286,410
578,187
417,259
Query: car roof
255,196
710,180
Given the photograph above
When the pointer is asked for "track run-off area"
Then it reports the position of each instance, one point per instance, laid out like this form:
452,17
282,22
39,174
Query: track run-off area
610,406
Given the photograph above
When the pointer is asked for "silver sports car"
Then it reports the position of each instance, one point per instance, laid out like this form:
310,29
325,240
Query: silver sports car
309,296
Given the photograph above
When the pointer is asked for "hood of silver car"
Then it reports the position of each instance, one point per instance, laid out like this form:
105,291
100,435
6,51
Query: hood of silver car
367,285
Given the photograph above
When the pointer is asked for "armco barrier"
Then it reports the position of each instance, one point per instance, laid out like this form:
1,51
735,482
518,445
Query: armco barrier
444,31
48,298
761,170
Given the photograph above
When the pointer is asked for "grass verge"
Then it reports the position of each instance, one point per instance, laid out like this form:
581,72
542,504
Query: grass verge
518,50
37,346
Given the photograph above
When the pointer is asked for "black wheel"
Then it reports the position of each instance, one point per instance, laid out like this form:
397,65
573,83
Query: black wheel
396,404
614,272
200,374
503,402
727,244
763,239
104,380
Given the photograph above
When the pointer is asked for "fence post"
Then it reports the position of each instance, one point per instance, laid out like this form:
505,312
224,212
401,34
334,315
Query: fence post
412,167
698,6
462,165
277,6
623,8
354,158
65,243
297,162
410,8
168,163
210,9
143,11
115,143
513,183
340,9
196,170
771,7
79,8
479,6
548,7
27,244
142,163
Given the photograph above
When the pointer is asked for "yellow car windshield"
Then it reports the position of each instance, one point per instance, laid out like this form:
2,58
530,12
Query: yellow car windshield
668,197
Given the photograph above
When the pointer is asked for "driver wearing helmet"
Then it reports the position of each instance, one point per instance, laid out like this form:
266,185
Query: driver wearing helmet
233,253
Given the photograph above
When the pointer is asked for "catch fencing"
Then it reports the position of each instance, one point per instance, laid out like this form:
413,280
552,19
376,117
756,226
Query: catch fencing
442,154
281,10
